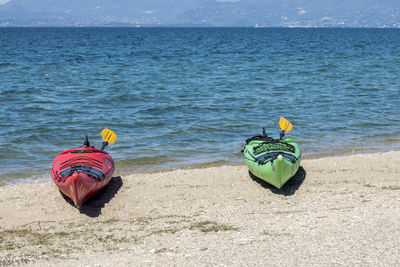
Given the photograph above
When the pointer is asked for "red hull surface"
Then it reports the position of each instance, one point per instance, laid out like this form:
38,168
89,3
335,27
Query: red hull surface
79,173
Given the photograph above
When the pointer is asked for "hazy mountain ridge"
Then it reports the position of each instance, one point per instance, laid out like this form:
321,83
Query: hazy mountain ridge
289,13
273,13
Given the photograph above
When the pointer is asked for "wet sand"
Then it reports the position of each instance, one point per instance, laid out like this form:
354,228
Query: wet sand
335,211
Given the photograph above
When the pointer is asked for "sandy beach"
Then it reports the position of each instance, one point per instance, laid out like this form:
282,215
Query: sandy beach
335,211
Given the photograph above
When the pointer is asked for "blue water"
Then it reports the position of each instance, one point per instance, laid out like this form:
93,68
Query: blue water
184,96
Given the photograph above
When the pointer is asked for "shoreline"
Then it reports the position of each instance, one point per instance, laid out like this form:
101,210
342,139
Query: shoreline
216,163
337,210
240,160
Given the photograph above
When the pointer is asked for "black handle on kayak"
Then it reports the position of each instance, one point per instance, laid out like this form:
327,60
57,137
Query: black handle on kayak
282,135
86,143
104,145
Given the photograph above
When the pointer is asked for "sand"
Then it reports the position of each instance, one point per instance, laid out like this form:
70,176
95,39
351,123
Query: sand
335,211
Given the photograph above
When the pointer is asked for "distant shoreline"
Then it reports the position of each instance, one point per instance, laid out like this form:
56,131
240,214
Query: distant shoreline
186,26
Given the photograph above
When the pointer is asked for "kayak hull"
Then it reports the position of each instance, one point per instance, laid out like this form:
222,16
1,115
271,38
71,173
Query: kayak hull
274,166
82,172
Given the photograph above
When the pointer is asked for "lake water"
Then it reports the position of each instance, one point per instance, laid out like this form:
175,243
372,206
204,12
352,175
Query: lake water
179,97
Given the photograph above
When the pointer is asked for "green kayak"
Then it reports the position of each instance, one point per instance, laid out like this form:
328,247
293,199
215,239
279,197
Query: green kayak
272,160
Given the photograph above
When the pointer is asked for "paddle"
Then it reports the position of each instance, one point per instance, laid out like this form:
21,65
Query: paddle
285,125
109,137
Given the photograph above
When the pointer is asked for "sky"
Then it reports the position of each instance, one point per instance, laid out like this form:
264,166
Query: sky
3,1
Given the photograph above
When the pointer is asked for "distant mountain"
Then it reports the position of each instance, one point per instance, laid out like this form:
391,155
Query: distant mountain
263,13
91,12
298,13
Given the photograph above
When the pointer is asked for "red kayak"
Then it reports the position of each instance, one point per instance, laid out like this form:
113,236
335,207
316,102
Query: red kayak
79,173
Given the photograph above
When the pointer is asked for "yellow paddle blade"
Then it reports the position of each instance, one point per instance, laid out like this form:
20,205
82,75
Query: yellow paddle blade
285,124
108,136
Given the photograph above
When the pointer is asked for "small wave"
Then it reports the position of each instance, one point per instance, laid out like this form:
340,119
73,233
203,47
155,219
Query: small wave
25,177
210,164
7,64
349,151
140,161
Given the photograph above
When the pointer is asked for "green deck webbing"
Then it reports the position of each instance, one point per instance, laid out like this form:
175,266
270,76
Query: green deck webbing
273,146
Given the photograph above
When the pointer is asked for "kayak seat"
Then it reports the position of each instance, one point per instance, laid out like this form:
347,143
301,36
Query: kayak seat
82,151
90,171
263,159
281,146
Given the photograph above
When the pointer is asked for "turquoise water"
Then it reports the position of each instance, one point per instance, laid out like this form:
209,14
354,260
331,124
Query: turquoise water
184,96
